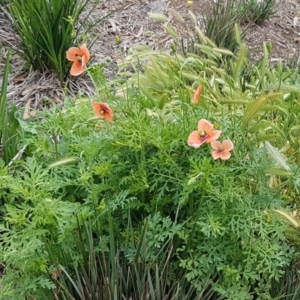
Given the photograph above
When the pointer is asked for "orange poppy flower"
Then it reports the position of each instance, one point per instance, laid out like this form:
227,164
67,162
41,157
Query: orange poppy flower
222,150
103,111
79,57
204,134
197,94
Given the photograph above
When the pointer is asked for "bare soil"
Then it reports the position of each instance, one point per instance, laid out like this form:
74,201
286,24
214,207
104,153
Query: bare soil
128,22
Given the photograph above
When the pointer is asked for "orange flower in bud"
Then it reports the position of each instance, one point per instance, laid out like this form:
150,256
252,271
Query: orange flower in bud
204,134
79,57
197,94
103,111
222,150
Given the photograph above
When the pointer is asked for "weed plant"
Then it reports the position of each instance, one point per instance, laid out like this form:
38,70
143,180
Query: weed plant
169,206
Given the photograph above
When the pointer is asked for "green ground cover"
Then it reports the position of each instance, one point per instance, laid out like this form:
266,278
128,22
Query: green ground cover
178,180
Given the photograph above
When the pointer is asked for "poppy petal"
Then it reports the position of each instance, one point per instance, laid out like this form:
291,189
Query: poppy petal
85,52
72,53
197,94
97,108
215,154
195,145
214,135
77,68
205,125
109,115
216,145
224,155
227,145
83,62
194,139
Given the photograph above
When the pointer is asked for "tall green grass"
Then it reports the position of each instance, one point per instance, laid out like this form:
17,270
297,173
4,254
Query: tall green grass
47,29
113,273
221,21
8,122
259,11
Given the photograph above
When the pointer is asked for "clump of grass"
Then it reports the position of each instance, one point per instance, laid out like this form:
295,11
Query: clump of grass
115,274
47,29
288,287
259,11
220,23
